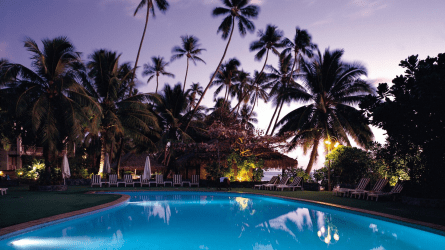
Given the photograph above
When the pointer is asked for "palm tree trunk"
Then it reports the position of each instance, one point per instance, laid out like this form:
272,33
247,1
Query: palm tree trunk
259,76
213,77
313,155
186,71
119,156
278,116
157,84
139,52
254,103
271,120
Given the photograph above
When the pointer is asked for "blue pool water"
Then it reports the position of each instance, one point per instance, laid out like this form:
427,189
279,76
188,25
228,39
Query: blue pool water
204,220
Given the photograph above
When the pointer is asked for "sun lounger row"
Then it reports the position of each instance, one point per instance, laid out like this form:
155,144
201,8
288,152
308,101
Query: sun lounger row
128,180
276,183
376,191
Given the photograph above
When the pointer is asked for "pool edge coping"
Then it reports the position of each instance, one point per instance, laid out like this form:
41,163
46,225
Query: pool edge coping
10,231
426,226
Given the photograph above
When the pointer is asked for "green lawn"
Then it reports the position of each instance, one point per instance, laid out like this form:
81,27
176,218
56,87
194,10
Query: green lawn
21,205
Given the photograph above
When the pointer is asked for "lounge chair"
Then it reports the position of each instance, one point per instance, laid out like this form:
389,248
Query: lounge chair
296,183
379,185
128,180
394,191
138,180
345,191
177,180
160,180
96,181
272,180
195,180
283,181
112,180
147,182
3,190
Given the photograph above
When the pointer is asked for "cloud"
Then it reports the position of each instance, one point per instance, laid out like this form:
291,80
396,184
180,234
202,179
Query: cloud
366,8
323,21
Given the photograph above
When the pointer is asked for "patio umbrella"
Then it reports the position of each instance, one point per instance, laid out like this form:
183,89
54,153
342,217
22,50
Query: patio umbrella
65,168
106,168
147,169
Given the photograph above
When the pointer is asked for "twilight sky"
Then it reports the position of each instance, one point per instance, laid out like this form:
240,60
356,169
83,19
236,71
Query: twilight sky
377,33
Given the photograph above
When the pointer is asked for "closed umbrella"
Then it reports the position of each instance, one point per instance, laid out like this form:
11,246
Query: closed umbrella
147,169
107,168
65,168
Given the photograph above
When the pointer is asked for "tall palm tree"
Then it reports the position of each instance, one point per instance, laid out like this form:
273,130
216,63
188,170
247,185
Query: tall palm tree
54,102
189,48
162,6
269,40
258,89
225,77
301,46
334,87
237,10
156,69
122,116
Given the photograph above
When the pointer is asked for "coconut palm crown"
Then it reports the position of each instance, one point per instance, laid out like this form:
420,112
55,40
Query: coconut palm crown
156,69
189,48
335,87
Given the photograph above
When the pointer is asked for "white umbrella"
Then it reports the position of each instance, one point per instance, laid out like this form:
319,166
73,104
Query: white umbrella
65,168
147,169
106,168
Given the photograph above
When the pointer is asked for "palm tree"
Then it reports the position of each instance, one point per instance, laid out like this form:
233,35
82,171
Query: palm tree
258,89
245,117
242,87
54,102
193,92
270,40
301,46
334,87
236,9
156,69
162,6
227,74
122,116
190,48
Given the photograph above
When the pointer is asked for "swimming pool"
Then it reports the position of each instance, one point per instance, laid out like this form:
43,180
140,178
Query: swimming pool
206,220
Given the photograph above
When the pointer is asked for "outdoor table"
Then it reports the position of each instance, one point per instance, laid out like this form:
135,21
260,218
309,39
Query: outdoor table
168,181
188,182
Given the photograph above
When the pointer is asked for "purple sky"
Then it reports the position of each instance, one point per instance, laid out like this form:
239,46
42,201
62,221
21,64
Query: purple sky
377,33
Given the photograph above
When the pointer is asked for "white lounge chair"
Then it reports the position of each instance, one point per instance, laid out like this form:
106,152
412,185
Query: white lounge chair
195,180
177,180
283,181
345,191
112,180
138,180
379,185
96,181
395,190
3,190
296,183
148,182
128,180
160,180
272,180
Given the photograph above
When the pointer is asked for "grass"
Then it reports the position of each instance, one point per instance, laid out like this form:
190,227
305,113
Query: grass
21,205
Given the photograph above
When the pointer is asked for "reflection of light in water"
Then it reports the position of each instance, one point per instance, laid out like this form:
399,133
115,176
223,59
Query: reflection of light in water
93,243
298,217
378,248
160,211
328,230
262,247
243,202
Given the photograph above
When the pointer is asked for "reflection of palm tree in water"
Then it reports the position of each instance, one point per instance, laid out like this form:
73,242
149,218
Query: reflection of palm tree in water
156,208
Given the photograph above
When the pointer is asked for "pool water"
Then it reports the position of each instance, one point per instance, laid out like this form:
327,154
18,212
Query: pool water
205,220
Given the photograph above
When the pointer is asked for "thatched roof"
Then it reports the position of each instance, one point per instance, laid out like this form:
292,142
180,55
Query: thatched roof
133,161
